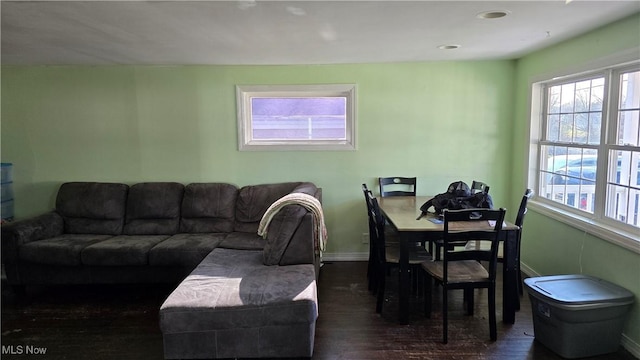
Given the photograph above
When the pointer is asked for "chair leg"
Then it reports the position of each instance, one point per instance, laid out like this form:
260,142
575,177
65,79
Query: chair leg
427,295
380,293
468,297
414,280
520,290
373,280
492,312
370,276
445,315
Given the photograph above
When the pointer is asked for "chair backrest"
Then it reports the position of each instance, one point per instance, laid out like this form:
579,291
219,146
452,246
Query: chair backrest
367,198
378,222
522,211
477,186
472,224
366,191
397,186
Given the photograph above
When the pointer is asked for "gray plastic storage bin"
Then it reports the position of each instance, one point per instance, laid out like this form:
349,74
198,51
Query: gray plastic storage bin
578,315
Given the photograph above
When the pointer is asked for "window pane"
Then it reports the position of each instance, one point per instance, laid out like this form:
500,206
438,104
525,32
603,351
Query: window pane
569,176
567,95
574,112
624,186
553,127
566,127
629,109
595,126
597,94
622,204
298,118
554,100
583,96
581,130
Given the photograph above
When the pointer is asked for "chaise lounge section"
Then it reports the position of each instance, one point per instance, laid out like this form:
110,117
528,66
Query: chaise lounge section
233,306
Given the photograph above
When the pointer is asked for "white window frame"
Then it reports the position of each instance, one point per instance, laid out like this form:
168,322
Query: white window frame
246,142
596,224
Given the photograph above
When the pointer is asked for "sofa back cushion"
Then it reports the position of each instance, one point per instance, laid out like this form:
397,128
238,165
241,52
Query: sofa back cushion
308,188
208,208
92,207
254,200
153,208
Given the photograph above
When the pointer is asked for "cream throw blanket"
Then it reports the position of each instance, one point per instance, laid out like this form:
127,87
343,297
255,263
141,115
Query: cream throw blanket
308,202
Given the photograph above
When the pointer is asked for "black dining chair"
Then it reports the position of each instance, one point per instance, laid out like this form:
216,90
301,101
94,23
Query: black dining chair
371,265
388,255
397,186
401,186
390,237
519,222
462,269
522,211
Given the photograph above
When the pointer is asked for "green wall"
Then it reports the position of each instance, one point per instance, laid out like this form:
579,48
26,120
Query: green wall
549,246
439,121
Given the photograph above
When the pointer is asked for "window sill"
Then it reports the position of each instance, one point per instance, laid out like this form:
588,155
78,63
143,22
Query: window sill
616,236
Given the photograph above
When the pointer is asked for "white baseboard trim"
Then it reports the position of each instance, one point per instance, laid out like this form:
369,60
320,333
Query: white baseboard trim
528,271
631,346
358,256
627,343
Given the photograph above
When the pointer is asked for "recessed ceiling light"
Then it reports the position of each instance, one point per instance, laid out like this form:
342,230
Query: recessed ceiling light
448,47
493,14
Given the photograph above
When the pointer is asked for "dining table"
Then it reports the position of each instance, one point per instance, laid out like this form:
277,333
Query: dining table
404,215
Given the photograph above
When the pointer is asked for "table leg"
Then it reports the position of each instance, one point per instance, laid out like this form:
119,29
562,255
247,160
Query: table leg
510,277
405,280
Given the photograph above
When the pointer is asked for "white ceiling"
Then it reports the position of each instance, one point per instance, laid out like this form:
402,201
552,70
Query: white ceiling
289,32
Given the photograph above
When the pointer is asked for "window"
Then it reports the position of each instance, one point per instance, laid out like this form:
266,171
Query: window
296,117
588,146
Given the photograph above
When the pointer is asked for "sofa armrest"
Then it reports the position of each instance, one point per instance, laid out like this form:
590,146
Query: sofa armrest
301,248
25,231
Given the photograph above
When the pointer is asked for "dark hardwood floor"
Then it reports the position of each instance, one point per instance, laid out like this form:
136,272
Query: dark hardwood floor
121,322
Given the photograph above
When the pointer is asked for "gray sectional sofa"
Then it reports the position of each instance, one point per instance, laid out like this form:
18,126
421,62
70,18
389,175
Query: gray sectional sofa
202,237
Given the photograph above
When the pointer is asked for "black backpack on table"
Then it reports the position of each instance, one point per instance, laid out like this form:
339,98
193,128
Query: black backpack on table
458,196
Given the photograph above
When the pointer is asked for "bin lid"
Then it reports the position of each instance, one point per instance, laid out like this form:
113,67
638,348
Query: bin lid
578,290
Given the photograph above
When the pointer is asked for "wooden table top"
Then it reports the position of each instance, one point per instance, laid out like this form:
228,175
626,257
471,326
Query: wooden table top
403,211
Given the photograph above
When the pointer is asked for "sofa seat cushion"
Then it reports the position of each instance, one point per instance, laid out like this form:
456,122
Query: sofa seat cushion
232,305
243,241
184,249
60,250
121,250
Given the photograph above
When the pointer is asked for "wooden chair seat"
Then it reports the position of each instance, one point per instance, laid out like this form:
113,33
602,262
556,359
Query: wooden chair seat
459,271
417,254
